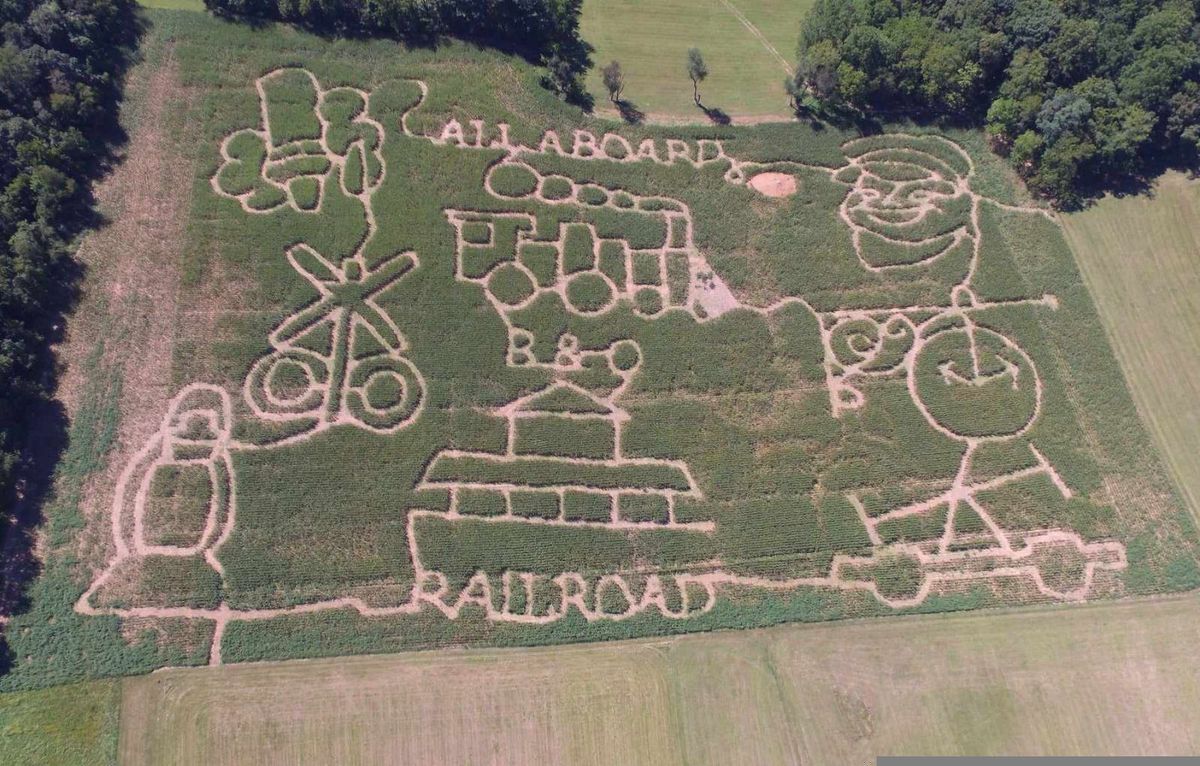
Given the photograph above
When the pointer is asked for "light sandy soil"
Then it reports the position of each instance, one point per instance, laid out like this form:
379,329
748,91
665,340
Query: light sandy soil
774,184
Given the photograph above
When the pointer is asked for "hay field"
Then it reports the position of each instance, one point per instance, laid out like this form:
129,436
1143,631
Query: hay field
1089,680
651,40
1140,257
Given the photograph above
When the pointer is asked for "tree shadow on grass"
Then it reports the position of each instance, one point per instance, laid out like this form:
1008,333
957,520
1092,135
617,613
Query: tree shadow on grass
717,115
630,112
19,561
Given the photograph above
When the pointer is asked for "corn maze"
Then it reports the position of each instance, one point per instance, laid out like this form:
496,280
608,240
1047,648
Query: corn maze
561,404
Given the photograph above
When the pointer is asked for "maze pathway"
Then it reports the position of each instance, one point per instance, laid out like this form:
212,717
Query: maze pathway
341,362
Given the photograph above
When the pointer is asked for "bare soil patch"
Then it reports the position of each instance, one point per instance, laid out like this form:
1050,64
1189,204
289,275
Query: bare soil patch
129,301
774,184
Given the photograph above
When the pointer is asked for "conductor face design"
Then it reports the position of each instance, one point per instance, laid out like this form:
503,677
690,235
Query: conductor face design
908,203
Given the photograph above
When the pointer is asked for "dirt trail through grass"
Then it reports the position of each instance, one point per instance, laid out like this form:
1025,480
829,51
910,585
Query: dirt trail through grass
755,31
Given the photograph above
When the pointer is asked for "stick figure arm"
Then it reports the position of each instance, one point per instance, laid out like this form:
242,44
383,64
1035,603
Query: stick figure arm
388,273
302,320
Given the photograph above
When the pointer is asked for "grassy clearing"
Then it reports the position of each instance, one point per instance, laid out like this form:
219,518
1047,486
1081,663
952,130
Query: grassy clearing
1139,256
651,40
65,725
1093,680
174,5
778,21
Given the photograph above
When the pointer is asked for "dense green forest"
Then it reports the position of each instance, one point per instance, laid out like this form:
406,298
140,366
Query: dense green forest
61,68
544,31
1080,94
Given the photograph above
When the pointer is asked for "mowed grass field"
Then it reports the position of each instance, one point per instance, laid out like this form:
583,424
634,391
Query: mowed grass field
651,38
1095,679
63,725
1140,257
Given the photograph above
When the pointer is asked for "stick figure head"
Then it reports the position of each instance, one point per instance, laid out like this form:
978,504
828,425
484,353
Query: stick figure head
909,199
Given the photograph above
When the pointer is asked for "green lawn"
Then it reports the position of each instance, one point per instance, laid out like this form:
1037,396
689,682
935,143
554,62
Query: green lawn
1140,257
1100,679
651,38
64,725
778,21
174,5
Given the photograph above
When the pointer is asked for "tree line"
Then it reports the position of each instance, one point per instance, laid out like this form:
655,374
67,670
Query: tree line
543,31
1079,94
61,69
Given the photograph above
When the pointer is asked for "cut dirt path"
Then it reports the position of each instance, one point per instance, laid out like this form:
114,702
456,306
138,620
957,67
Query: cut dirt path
130,294
1083,680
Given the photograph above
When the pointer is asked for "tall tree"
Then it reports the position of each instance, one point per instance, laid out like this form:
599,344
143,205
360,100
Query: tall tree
614,80
697,70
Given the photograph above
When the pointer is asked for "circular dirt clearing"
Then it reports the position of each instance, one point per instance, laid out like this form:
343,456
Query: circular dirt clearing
774,184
